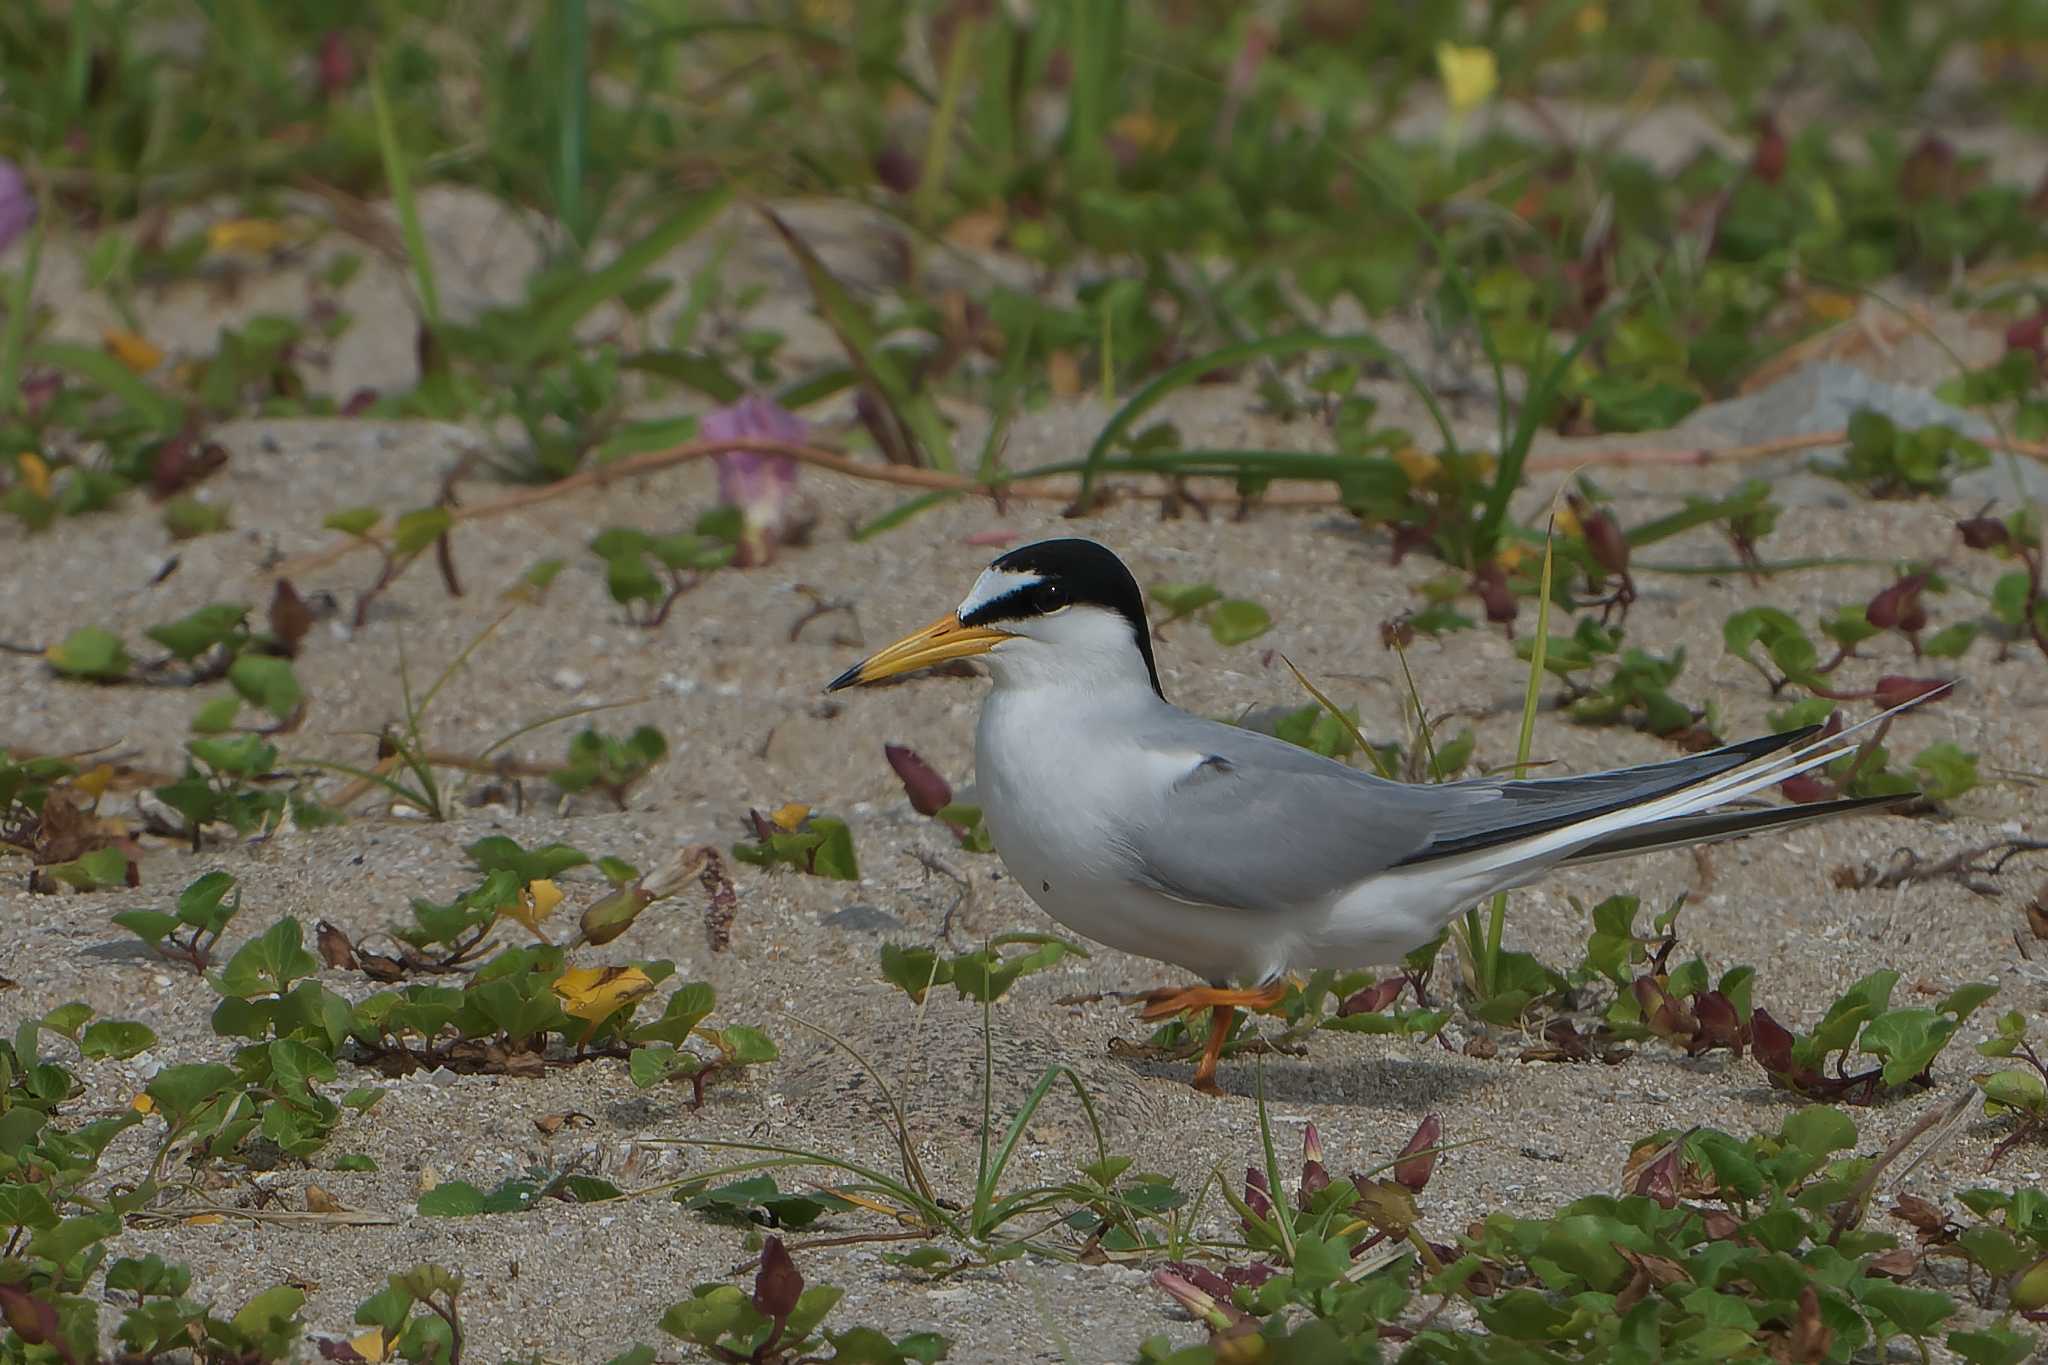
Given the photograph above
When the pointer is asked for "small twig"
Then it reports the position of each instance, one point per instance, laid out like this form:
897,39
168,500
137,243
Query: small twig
1907,866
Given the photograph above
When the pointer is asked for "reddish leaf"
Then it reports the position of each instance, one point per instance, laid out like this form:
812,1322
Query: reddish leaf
1806,788
1720,1025
1372,999
1659,1179
1895,689
1767,162
1417,1160
290,617
778,1284
182,461
1890,608
32,1318
1984,533
928,792
1258,1195
1772,1041
337,64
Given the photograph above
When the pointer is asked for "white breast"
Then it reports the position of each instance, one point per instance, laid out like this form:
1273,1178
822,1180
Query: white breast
1054,794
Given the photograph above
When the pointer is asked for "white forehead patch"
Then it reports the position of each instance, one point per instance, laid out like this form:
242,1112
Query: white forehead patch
992,584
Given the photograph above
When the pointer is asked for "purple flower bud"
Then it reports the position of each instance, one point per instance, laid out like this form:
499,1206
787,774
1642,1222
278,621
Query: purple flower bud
17,203
761,486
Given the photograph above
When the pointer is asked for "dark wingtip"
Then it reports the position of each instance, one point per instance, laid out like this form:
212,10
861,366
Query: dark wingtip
846,679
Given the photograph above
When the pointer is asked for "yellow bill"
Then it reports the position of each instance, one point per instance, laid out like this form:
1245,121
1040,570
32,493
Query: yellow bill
943,640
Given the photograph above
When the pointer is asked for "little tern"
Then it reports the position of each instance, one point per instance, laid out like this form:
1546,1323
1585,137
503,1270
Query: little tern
1242,857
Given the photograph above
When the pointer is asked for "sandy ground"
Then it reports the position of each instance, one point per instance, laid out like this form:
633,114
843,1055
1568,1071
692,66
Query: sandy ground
737,691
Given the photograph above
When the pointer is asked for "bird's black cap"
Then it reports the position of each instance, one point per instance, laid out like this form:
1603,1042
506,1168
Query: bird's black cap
1070,572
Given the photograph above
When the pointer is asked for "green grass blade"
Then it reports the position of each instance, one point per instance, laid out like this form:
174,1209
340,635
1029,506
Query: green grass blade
20,303
1357,735
913,410
399,180
931,185
1514,453
1097,461
97,367
553,329
1532,695
1096,40
572,114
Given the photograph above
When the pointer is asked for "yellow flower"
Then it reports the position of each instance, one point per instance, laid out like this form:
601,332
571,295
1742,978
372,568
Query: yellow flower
136,352
371,1346
1591,21
1510,557
536,902
1469,74
1419,468
34,473
597,993
791,817
142,1104
1567,522
245,236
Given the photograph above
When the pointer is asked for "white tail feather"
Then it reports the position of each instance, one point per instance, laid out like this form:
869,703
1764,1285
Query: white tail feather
1521,860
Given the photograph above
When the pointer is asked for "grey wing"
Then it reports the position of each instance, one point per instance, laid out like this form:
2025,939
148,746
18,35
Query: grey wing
1263,824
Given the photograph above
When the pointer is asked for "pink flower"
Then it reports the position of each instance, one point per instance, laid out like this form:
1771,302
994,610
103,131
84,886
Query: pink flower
761,485
17,203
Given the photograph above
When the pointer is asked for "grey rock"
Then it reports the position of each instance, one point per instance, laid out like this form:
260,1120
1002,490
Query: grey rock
863,919
1823,397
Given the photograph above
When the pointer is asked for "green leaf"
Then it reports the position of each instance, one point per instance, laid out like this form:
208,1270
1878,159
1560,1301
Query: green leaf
204,904
148,925
1994,1346
650,1066
190,636
834,855
1184,599
452,1199
1817,1130
914,970
354,521
269,963
419,528
268,682
91,653
216,717
1950,642
1235,621
116,1038
497,852
1947,770
94,871
1908,1039
68,1019
688,1007
2022,1091
179,1091
1915,1312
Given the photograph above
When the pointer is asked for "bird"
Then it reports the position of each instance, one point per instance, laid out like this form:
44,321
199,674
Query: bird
1243,858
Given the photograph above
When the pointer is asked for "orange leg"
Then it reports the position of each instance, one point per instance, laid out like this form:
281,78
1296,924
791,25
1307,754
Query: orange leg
1222,1004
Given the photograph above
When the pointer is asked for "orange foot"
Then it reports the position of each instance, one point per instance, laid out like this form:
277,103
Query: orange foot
1222,1004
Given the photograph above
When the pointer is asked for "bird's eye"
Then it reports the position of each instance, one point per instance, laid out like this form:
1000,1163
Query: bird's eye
1048,598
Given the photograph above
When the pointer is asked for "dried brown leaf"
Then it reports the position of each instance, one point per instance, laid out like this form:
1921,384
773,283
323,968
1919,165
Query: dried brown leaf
335,949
